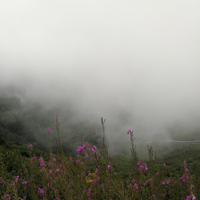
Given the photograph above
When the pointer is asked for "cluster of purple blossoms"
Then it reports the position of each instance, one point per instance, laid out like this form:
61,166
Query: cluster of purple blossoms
42,162
136,186
41,191
30,146
95,180
16,178
108,166
86,156
80,148
7,197
142,167
191,197
149,180
32,161
167,182
185,176
89,192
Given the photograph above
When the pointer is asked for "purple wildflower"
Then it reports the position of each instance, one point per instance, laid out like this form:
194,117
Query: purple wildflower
77,161
94,147
41,191
139,163
30,146
108,166
79,150
7,197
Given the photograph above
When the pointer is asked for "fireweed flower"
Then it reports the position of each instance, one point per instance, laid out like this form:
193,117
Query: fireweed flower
136,186
108,166
30,146
49,130
154,196
163,164
188,197
41,191
145,167
16,178
128,131
192,186
7,197
115,154
42,162
86,156
139,163
141,167
149,180
79,150
94,147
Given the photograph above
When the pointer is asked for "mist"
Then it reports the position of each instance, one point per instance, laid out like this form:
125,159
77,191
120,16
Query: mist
135,63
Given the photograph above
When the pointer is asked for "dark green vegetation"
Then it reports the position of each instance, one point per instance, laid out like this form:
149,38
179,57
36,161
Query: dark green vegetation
27,124
21,125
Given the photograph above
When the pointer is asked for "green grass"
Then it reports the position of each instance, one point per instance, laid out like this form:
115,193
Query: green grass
125,179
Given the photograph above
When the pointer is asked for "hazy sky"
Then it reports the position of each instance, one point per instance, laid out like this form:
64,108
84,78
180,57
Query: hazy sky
108,56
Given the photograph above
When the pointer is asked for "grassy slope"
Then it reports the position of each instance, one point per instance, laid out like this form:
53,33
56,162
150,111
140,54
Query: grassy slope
12,127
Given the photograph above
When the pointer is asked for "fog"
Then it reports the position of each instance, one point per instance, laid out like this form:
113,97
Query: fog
135,63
